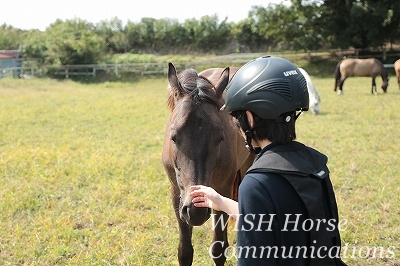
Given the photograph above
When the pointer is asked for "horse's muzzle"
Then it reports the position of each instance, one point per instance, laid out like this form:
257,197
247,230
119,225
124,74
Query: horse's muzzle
194,216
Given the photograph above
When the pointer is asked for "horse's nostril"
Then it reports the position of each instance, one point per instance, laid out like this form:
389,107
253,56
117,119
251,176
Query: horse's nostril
185,213
194,216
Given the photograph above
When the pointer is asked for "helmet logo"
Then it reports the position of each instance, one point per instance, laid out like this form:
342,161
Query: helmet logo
290,73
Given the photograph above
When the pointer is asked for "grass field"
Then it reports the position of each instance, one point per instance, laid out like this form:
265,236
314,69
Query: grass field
82,181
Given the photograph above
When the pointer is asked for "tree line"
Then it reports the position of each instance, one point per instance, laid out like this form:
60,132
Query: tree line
304,25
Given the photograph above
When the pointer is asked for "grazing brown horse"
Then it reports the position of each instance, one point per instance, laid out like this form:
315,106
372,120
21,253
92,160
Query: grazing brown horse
397,70
202,146
370,67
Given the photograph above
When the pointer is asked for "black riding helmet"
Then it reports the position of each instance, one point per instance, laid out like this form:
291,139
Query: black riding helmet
270,87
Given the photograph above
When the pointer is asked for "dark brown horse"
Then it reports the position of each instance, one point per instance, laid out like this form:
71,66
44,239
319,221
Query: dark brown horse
202,146
370,67
396,66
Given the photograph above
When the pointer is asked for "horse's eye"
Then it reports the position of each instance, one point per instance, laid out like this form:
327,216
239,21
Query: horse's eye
173,134
173,138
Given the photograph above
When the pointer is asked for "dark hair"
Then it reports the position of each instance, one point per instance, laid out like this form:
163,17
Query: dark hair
281,132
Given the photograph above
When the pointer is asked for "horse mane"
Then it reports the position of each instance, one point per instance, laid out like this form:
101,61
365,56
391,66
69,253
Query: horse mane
198,88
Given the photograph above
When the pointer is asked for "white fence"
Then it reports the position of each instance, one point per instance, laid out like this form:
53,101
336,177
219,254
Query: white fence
93,70
117,69
149,68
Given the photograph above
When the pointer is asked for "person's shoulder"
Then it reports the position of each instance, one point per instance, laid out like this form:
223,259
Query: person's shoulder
267,180
256,185
308,147
294,146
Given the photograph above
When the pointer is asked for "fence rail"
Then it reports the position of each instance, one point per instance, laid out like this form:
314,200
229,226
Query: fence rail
236,59
92,70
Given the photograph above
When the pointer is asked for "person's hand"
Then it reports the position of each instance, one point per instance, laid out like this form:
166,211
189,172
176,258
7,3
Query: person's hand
206,197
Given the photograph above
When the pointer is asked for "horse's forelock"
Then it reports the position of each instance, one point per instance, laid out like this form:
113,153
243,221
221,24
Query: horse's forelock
206,91
188,80
197,87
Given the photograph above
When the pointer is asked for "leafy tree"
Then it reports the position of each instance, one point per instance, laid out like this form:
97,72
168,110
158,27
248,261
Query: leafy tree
359,23
207,34
306,32
168,35
141,36
113,33
248,35
135,36
391,21
261,24
286,27
304,25
148,32
211,34
189,26
280,27
9,37
73,42
32,45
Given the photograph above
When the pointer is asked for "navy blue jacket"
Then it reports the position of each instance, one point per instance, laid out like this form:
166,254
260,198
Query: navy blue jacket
288,213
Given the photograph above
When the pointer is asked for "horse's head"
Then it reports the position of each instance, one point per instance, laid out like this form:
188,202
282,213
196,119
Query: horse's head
197,140
314,103
385,84
385,79
312,92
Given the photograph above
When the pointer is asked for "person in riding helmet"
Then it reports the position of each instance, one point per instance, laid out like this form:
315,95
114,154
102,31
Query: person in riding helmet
286,211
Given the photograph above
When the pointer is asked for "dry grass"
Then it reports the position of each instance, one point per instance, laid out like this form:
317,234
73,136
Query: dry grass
82,181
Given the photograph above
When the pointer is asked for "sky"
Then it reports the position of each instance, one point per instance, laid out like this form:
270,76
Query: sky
39,14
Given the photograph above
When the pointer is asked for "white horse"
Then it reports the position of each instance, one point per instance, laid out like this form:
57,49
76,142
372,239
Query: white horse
312,93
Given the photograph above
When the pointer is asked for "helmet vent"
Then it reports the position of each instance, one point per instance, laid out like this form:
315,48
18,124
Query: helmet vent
303,84
278,86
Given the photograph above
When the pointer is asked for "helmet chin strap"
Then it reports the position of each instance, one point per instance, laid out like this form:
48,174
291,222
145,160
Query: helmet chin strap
249,146
285,118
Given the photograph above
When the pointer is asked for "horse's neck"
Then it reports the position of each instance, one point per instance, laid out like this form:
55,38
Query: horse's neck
384,74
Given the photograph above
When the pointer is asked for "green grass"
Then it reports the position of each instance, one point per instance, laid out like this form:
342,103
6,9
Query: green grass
359,133
82,181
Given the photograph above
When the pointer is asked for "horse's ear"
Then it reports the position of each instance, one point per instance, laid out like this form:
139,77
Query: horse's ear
174,84
222,83
172,77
